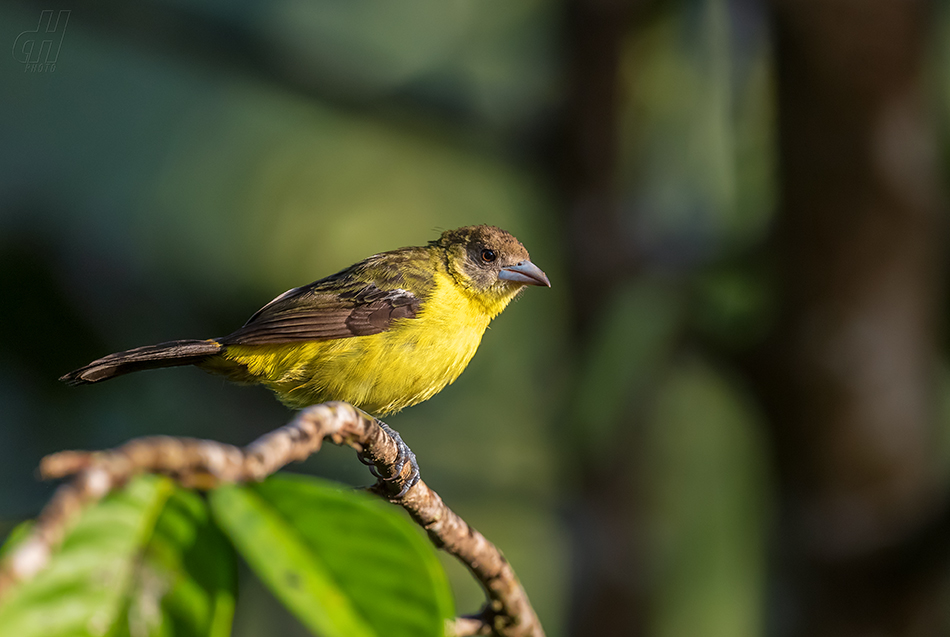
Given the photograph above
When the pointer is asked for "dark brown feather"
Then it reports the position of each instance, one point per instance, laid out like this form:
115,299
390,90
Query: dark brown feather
303,314
170,354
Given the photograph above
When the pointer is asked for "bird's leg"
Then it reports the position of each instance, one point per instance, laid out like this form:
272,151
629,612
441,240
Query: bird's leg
404,455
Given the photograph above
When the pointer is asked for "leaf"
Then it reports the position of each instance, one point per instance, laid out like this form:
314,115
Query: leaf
19,533
346,564
83,590
378,557
186,581
147,561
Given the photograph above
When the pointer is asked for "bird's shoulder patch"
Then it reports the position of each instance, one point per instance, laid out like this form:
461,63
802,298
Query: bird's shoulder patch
376,309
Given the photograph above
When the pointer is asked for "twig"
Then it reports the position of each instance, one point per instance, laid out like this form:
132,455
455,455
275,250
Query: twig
204,464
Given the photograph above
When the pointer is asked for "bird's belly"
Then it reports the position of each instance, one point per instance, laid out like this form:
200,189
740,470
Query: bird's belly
381,373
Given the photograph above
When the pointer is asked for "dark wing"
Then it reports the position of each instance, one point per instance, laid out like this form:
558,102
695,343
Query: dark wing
312,314
360,300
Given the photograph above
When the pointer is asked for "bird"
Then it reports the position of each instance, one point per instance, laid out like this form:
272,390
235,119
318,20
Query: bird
383,334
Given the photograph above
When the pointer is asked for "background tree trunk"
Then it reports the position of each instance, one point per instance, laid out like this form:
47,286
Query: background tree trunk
608,595
850,372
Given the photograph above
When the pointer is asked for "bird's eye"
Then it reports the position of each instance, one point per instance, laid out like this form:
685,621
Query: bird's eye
488,255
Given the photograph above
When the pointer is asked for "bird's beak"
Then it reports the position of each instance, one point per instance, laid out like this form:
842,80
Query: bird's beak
525,273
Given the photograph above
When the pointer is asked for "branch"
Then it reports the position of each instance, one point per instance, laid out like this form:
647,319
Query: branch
204,464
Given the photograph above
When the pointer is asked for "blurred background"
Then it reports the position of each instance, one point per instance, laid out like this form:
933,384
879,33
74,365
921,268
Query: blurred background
730,416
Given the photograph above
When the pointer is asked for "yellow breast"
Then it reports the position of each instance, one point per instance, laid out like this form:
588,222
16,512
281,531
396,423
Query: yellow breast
381,373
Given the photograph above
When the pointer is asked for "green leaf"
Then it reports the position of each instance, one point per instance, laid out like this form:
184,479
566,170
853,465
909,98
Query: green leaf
186,580
19,533
147,561
84,589
379,558
346,564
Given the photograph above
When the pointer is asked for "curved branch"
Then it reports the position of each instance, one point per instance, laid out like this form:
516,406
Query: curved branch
204,464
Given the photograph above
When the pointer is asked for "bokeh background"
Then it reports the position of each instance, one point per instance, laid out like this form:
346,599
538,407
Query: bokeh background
728,417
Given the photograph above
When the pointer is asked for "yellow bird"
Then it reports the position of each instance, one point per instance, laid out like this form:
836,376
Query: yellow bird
383,334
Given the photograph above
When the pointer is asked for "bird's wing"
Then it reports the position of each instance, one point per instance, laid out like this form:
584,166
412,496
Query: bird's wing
303,314
359,301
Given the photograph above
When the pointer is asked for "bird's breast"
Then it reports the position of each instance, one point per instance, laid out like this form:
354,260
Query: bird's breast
428,352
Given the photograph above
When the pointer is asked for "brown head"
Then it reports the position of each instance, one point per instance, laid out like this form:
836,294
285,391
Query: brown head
489,260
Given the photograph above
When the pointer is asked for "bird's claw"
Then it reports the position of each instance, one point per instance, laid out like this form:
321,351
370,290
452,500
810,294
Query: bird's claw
404,456
368,463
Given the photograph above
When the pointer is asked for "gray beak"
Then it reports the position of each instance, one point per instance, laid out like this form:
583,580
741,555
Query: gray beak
525,273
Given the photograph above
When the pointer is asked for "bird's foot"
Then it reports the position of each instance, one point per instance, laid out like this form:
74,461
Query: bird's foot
404,456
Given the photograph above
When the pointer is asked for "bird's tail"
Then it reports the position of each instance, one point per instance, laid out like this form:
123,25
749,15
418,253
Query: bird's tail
170,354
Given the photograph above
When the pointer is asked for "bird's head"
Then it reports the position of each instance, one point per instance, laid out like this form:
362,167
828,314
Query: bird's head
490,262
